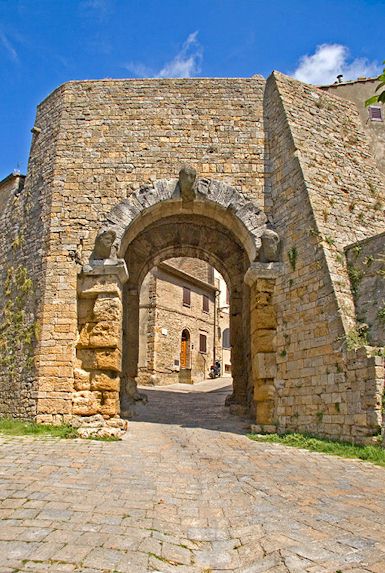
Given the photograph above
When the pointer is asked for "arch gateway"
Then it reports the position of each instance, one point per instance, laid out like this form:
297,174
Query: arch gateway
258,178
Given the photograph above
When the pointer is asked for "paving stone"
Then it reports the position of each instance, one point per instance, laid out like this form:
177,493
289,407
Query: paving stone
136,506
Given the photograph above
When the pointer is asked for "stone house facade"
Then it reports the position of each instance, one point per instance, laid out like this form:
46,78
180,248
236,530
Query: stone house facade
285,184
178,323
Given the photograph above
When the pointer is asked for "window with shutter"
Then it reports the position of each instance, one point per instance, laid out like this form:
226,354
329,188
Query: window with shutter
205,303
186,296
375,113
203,343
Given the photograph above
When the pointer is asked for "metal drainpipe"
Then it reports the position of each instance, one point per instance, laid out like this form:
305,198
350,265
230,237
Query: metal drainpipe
215,326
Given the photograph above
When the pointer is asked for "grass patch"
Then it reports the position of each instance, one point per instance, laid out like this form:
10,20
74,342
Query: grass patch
20,428
104,438
373,453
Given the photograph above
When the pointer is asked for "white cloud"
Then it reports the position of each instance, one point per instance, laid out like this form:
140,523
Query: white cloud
186,63
139,70
330,60
8,47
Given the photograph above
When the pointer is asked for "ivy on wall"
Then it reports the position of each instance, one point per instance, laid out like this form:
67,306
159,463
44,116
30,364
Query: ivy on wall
17,326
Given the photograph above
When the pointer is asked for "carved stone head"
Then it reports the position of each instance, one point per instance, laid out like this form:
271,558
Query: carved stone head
187,178
269,252
103,245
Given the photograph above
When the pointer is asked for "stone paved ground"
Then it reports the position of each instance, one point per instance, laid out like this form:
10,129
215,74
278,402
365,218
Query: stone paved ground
186,492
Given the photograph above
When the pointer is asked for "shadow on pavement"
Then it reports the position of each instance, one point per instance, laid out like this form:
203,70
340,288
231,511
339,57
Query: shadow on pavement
191,409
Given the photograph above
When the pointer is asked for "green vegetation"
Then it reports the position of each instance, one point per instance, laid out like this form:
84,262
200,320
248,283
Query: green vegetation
319,416
373,453
292,255
355,276
20,428
381,314
380,97
329,240
104,438
17,327
356,338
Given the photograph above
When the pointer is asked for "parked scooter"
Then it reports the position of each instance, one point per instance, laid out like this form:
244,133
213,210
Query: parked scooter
215,370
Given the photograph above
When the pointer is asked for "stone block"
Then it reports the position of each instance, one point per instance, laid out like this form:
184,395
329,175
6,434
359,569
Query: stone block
96,421
264,391
56,384
81,380
264,412
100,335
105,335
117,423
92,286
107,308
85,309
265,365
54,405
263,318
110,404
103,382
99,359
263,341
85,403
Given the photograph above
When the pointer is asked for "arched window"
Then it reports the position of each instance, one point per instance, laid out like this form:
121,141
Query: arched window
226,338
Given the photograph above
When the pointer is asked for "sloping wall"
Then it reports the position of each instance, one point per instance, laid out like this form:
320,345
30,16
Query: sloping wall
322,191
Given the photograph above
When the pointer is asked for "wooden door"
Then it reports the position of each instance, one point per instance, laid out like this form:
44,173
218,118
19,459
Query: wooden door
183,354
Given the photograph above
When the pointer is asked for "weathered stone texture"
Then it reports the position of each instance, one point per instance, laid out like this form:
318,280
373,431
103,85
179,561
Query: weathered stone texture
25,219
366,265
107,158
316,174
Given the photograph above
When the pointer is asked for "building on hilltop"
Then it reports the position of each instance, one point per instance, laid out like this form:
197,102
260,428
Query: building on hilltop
274,183
372,117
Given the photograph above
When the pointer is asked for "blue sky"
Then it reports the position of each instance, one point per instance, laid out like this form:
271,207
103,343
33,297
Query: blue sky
44,43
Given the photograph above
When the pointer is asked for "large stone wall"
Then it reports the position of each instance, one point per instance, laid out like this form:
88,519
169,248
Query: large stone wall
25,220
323,192
300,151
111,137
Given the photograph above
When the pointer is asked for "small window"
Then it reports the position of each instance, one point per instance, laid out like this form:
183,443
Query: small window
375,113
186,296
203,343
226,338
205,303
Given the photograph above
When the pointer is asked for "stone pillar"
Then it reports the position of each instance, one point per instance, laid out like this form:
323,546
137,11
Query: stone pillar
99,347
261,278
129,392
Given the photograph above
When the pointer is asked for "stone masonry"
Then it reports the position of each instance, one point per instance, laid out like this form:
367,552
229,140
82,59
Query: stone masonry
163,318
285,183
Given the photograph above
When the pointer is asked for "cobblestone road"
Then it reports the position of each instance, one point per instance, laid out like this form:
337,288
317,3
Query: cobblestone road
186,492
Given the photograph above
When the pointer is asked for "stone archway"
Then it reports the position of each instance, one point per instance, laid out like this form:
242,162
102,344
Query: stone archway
188,217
